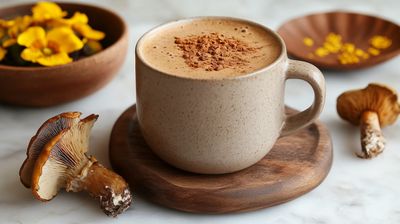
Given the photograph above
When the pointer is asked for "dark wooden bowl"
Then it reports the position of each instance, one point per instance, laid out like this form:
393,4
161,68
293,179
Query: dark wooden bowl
47,86
353,27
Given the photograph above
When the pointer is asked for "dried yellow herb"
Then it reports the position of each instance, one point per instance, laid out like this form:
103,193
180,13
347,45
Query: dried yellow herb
373,51
347,52
380,42
308,41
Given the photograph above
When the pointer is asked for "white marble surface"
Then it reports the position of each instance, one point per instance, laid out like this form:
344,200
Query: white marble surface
356,191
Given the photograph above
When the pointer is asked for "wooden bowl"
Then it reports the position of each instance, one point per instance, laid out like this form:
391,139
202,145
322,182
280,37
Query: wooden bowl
47,86
353,27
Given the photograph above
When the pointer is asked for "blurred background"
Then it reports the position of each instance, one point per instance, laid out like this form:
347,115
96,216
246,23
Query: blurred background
268,12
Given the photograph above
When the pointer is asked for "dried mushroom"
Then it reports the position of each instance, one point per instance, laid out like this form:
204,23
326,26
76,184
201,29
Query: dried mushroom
58,154
45,133
371,108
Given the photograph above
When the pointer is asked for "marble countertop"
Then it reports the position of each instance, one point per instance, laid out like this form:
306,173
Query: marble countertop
355,191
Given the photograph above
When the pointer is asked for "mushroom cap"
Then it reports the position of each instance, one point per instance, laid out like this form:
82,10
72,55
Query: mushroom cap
62,158
375,97
46,132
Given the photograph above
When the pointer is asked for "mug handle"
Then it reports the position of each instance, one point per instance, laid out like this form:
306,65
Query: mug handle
311,74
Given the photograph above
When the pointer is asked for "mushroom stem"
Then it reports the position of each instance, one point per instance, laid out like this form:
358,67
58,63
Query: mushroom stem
103,184
372,140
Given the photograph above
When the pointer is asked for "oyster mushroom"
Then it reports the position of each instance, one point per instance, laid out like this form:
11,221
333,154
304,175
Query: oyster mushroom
63,163
372,108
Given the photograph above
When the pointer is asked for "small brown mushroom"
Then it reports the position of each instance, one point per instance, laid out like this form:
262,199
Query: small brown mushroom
372,108
62,163
46,132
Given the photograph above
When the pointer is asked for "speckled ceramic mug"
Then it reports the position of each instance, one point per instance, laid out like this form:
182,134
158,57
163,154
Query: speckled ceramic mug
215,126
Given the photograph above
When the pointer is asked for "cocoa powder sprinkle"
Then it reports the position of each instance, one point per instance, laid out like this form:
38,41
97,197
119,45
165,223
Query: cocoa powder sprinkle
213,52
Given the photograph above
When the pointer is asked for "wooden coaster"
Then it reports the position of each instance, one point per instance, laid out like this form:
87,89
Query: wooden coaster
296,165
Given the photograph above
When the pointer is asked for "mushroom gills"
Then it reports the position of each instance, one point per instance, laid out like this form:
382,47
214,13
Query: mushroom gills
62,159
46,132
63,163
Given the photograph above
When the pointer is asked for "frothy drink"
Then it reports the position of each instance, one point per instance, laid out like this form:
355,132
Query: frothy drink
210,93
210,48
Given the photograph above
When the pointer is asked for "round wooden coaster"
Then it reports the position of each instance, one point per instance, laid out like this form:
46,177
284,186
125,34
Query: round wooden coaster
296,165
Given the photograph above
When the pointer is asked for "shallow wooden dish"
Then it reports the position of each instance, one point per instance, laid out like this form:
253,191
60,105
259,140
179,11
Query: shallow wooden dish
296,164
353,27
47,86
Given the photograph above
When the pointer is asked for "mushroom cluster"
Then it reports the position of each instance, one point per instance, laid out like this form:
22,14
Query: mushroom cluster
371,108
56,159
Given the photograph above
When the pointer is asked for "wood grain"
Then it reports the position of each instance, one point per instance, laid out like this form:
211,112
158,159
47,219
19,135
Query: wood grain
353,27
296,165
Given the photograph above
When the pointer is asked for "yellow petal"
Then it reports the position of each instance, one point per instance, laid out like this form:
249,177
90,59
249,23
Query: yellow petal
92,47
13,31
3,53
55,59
78,17
2,32
47,10
86,31
6,23
20,25
31,54
33,37
9,42
50,24
65,39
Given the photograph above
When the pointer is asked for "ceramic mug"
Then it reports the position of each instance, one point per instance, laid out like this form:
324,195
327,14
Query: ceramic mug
215,126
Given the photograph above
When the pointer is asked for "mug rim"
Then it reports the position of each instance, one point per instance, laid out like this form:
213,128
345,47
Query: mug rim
281,56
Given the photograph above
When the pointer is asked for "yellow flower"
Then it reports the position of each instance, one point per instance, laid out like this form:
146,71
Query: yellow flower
79,23
19,25
91,47
6,23
49,49
43,11
2,32
86,31
3,53
78,17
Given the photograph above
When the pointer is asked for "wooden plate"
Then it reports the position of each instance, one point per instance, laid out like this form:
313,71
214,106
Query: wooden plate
353,27
296,165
